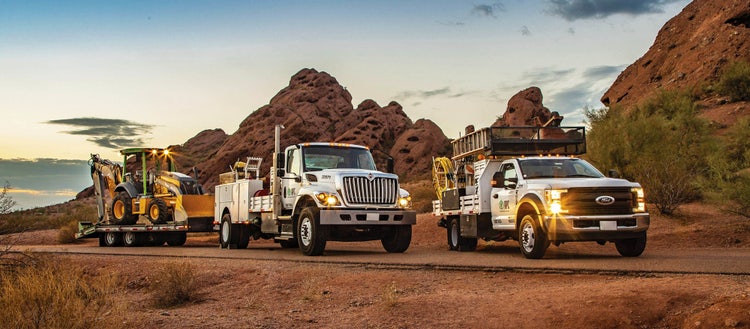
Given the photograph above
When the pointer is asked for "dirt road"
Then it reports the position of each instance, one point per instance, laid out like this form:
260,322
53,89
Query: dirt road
494,257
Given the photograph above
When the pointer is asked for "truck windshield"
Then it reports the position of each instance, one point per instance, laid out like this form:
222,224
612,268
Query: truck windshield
330,157
557,168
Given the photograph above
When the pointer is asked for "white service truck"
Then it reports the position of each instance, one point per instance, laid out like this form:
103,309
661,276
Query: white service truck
318,192
525,183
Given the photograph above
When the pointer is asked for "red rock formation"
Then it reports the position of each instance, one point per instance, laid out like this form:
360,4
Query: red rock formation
316,108
691,49
525,108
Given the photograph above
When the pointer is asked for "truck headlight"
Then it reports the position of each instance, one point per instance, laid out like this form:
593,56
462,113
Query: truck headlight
554,201
327,199
404,202
639,199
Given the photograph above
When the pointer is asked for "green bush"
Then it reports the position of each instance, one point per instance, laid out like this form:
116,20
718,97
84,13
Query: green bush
660,144
735,81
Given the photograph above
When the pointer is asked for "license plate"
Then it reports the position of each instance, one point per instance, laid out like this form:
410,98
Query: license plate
373,217
608,225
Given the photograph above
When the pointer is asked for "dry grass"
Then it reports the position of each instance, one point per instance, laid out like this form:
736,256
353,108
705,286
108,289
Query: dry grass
175,283
54,294
67,233
391,295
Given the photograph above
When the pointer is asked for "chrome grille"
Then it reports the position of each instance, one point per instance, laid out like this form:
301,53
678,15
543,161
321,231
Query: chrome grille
581,201
361,190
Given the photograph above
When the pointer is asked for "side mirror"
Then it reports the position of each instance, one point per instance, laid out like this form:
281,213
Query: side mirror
280,163
613,174
389,165
497,179
280,173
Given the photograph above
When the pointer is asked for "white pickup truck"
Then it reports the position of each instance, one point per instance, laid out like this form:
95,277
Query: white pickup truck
501,188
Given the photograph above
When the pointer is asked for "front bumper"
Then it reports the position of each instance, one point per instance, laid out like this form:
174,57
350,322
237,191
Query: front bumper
367,217
596,228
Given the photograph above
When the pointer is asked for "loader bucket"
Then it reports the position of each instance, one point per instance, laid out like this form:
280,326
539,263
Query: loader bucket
197,205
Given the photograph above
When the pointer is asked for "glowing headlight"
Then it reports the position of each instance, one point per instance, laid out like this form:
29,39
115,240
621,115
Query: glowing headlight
327,199
554,200
404,202
639,200
555,207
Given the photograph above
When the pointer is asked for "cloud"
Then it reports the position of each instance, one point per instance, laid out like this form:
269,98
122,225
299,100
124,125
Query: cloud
525,30
42,182
420,95
572,10
109,133
602,72
487,10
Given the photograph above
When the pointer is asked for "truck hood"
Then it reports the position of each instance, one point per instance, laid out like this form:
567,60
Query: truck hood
564,183
329,175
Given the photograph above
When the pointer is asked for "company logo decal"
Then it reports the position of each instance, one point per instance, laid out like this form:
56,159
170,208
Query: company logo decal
605,200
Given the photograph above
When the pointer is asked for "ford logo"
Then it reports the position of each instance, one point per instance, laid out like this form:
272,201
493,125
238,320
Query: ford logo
605,200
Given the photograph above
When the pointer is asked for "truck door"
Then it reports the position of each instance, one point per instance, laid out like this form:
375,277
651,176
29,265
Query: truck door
504,197
292,179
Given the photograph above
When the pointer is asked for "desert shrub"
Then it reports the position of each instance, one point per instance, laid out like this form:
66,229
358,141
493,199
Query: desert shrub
735,81
52,294
422,195
661,144
67,233
729,178
175,284
6,201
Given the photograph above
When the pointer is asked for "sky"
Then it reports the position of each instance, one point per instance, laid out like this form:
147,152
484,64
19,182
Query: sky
83,77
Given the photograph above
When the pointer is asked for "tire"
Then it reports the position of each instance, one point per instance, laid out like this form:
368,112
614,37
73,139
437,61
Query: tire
532,240
311,237
456,241
158,212
176,239
112,239
122,210
397,239
631,247
132,239
244,235
228,234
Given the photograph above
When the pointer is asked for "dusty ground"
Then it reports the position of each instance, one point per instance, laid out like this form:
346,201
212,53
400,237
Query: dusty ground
268,294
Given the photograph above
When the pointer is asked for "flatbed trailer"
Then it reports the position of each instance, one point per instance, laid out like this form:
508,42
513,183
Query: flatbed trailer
172,234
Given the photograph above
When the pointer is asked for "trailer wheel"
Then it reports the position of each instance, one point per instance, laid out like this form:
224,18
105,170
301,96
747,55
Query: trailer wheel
631,247
112,239
532,240
158,212
177,239
397,239
311,237
132,239
122,210
229,235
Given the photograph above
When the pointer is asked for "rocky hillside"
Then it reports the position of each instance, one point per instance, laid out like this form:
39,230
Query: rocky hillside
315,107
690,50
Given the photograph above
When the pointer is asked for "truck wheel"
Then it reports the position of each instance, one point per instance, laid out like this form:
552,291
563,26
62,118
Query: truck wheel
229,235
631,247
112,239
158,212
310,235
532,240
244,235
177,239
122,210
132,239
397,239
456,241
